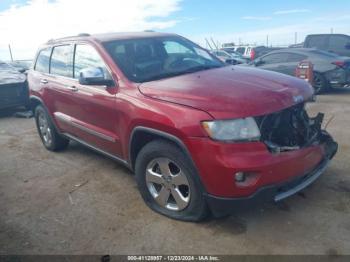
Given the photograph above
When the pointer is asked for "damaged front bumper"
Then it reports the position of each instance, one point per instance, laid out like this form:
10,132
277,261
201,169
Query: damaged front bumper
275,192
292,153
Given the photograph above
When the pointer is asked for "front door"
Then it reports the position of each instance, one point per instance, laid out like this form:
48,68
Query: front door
95,116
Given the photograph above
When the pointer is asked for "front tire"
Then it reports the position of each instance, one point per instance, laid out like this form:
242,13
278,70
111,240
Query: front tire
51,139
168,182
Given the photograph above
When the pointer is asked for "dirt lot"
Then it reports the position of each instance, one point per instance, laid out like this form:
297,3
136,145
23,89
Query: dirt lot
107,215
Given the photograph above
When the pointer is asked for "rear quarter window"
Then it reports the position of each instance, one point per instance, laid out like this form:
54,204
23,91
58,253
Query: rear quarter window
43,61
338,42
275,58
295,57
240,50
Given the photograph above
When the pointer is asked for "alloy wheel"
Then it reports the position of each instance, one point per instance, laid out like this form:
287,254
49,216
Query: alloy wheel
45,129
168,184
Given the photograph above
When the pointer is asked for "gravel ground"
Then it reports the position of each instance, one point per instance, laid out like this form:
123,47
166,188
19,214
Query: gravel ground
106,214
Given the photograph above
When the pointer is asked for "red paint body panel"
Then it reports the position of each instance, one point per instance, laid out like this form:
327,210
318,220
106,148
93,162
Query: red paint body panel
218,162
177,106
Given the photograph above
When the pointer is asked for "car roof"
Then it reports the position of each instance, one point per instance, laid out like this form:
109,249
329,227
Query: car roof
106,37
327,35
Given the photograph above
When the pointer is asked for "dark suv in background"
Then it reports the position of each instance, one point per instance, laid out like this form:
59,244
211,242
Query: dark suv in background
335,43
200,135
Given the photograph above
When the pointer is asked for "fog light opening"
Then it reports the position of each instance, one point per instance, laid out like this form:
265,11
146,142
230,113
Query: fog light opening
240,177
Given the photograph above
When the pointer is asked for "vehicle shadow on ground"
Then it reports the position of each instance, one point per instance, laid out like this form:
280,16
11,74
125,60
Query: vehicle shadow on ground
237,223
338,91
7,113
14,111
77,148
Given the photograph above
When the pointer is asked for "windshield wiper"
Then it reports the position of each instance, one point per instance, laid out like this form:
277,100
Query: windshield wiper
187,71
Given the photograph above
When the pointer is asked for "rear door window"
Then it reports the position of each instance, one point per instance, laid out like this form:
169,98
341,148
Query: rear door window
275,58
317,41
295,57
62,61
338,42
43,61
240,50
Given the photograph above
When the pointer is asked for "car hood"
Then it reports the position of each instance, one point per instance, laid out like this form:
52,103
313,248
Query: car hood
11,77
231,92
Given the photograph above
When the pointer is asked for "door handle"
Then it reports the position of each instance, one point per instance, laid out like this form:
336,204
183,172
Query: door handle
44,81
72,88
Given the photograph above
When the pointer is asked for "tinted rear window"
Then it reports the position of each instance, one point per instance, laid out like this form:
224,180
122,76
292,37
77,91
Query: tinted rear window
240,50
338,42
317,41
295,57
275,58
43,60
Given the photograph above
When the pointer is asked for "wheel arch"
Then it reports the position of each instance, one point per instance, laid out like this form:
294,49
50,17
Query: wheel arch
140,136
35,101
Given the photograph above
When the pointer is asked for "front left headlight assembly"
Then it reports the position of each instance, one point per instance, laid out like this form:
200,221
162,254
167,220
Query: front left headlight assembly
242,129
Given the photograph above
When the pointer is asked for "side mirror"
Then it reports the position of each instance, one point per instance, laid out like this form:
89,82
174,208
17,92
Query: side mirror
22,70
94,76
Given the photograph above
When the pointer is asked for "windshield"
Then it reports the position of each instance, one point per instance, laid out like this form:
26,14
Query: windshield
149,59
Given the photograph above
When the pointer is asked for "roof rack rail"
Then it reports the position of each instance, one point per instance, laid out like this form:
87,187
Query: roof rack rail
67,37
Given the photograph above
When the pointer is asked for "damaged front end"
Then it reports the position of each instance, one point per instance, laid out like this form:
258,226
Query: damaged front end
293,129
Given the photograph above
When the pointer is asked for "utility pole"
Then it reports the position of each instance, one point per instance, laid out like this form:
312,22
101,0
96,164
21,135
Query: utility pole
295,38
10,52
206,40
267,41
332,30
212,40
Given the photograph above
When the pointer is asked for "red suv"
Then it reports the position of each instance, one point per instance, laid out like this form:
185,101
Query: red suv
200,135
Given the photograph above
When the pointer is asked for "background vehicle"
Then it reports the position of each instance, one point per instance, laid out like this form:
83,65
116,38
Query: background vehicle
21,65
330,70
13,87
251,52
229,57
336,43
244,50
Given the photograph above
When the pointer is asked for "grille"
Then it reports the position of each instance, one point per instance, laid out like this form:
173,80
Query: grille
290,128
12,93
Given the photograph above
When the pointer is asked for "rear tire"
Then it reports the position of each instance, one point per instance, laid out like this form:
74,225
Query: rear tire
320,84
51,139
168,182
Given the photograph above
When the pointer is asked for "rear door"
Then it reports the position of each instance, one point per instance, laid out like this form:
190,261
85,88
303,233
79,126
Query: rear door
59,92
292,60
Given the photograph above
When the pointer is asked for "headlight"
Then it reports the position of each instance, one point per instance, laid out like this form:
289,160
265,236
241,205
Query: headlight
232,130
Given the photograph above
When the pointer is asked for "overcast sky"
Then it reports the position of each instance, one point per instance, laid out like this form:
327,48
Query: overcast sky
26,24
